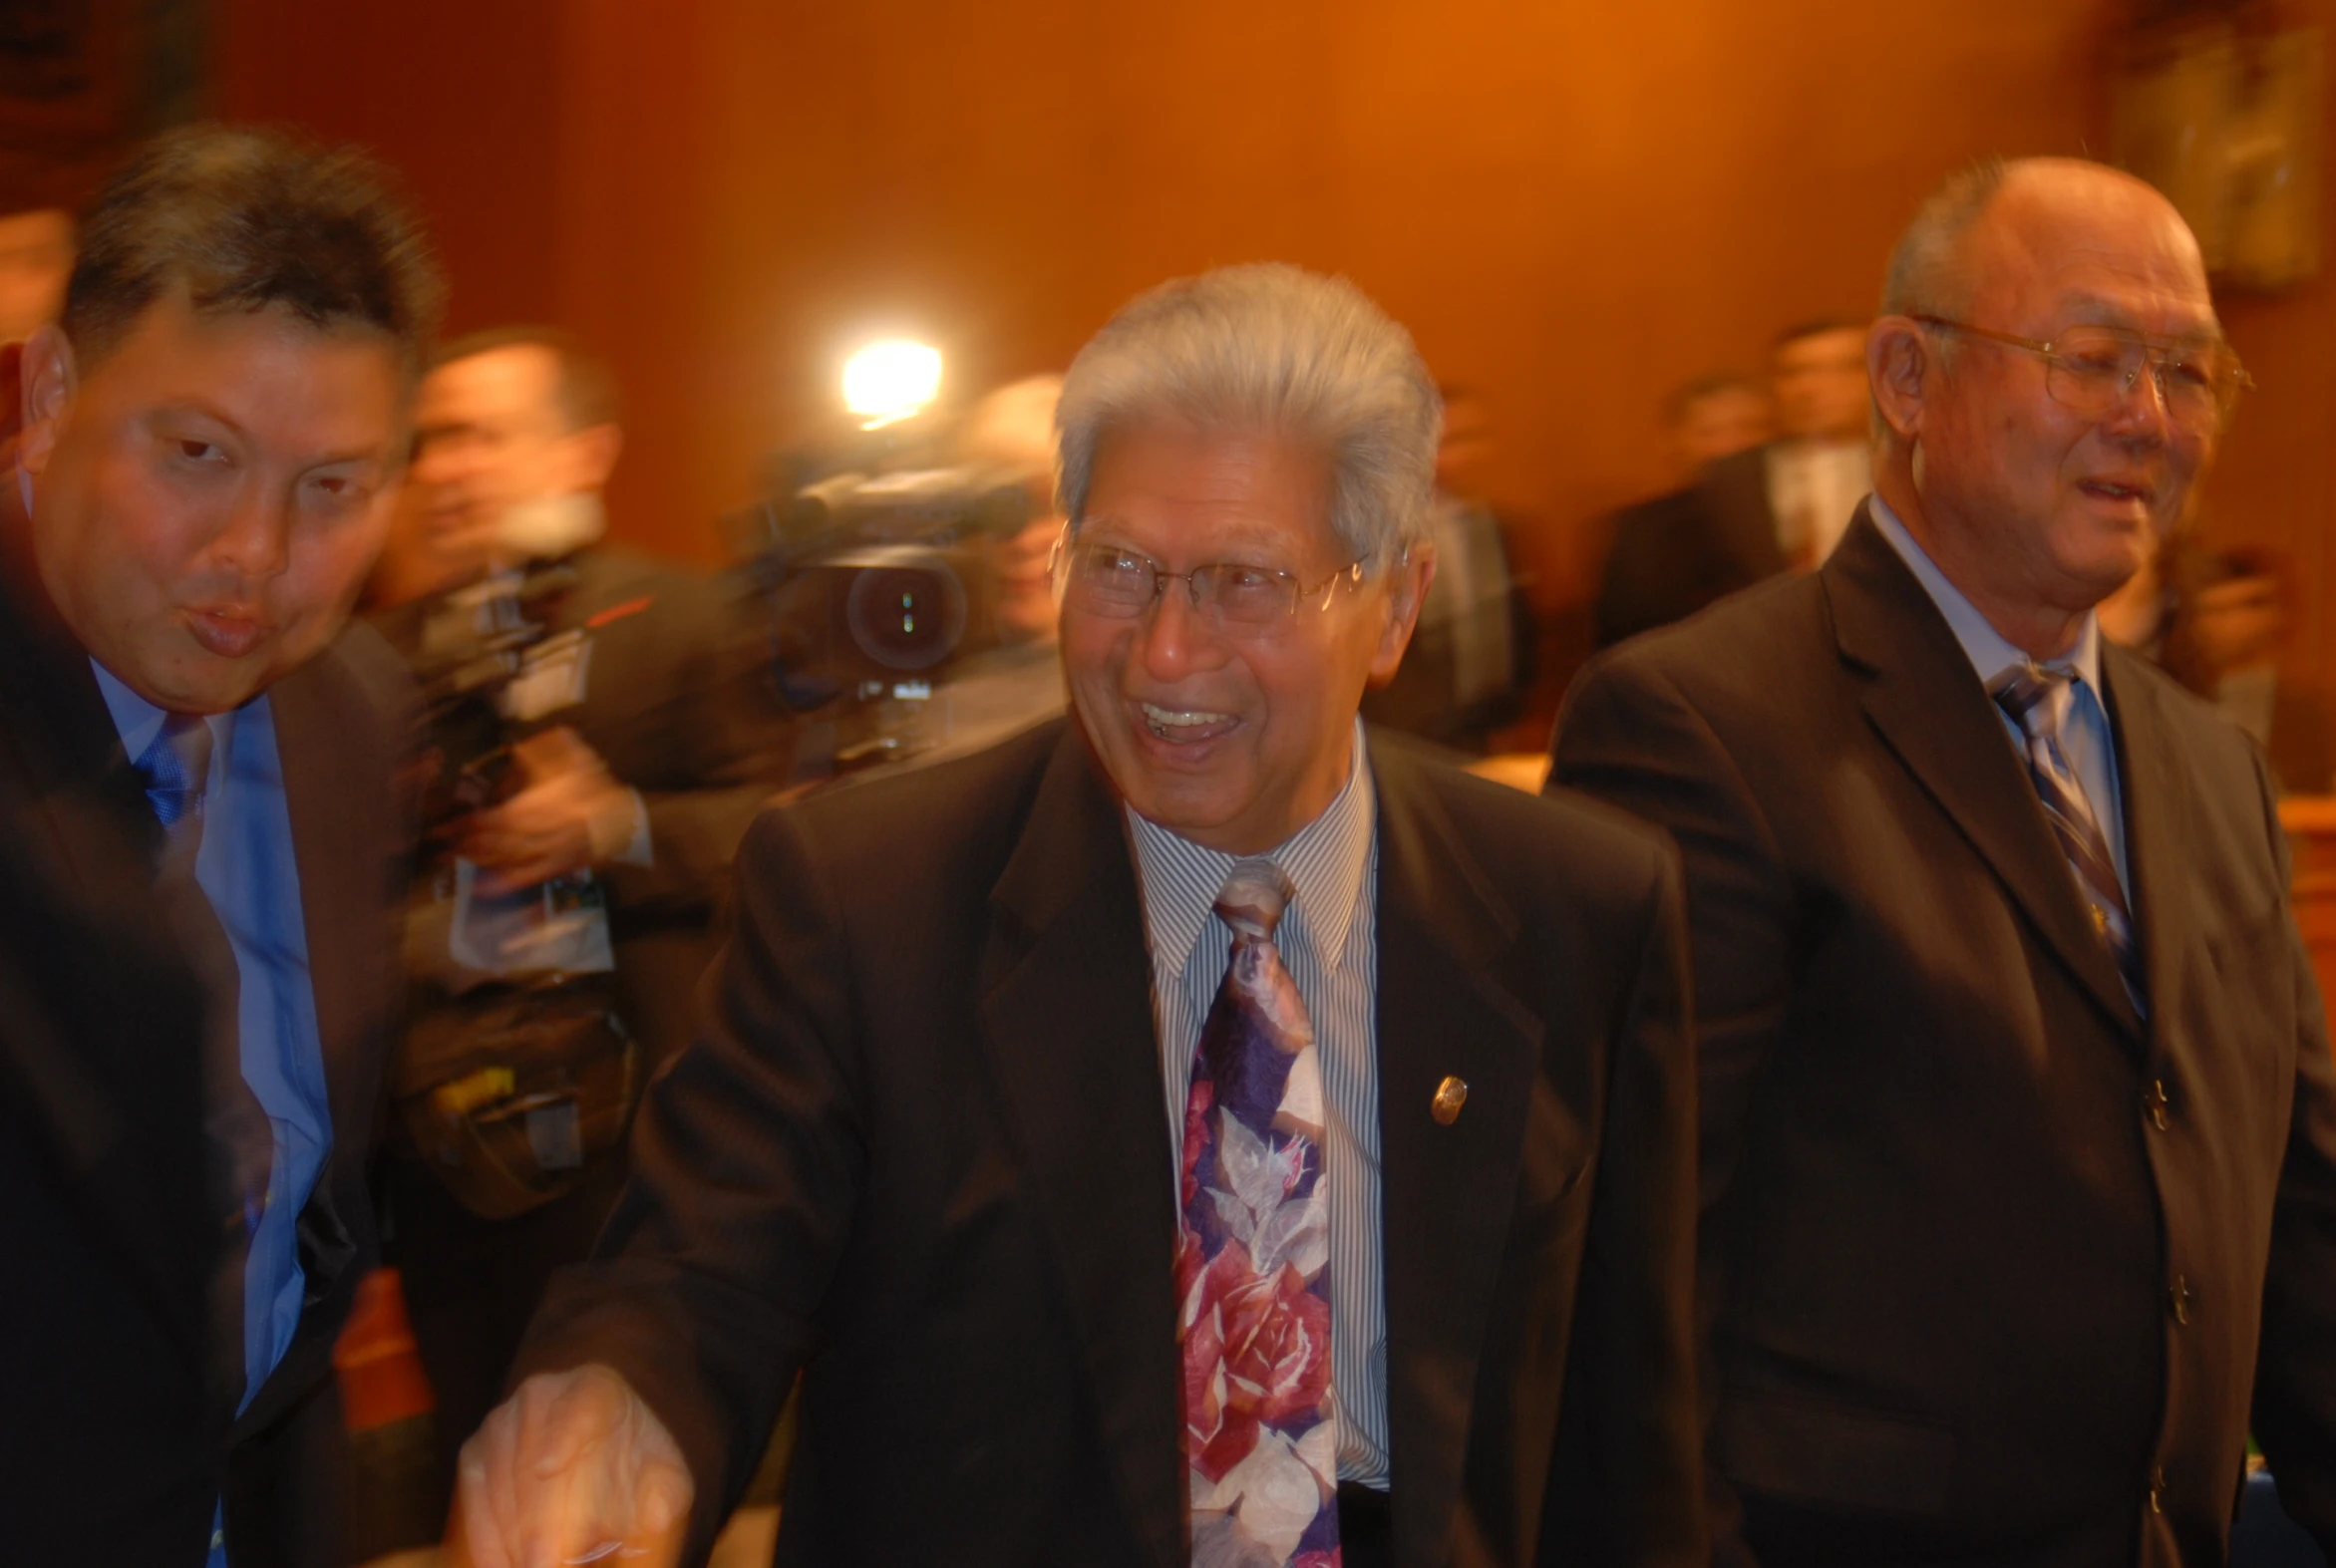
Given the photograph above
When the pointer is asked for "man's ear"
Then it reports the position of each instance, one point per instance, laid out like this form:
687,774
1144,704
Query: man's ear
46,382
1900,355
1407,593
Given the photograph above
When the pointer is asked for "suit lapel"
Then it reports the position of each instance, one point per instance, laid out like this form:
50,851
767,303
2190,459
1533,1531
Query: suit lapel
1448,1190
2157,809
335,796
130,1126
1067,1017
1927,704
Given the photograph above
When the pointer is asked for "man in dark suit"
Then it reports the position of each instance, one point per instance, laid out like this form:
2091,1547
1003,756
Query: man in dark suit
1096,1241
202,846
2019,1124
645,741
1755,512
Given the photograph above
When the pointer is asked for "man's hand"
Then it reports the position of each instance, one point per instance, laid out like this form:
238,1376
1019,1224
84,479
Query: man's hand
570,813
573,1468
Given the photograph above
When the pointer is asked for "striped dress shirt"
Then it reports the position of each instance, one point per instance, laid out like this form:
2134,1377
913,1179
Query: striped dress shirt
1329,942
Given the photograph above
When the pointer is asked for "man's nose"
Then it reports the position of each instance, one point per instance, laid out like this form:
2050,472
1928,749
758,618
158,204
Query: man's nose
256,541
2141,412
1178,636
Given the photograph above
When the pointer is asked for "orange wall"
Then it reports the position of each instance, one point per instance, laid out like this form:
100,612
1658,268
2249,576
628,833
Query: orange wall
1574,206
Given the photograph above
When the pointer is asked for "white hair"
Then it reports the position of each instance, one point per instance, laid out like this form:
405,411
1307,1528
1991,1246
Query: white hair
1268,348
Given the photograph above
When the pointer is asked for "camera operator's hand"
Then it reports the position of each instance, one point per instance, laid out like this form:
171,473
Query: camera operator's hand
573,1468
570,813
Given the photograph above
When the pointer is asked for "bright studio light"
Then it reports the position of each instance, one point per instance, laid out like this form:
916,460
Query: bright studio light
892,380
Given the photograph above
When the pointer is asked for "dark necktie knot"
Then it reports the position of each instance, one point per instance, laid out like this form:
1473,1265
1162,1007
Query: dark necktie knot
175,767
1255,895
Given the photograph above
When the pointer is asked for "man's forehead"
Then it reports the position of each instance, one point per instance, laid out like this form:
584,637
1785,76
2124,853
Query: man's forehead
2096,247
511,378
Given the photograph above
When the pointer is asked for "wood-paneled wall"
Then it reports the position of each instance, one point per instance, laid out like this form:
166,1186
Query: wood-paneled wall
1574,206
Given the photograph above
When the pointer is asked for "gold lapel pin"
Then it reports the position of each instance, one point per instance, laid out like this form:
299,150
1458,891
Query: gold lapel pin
1451,1094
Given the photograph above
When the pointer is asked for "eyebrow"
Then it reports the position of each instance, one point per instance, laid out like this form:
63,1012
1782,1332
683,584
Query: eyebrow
202,410
2095,310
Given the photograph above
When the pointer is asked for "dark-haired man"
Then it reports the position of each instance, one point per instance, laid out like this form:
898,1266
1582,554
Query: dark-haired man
617,759
202,846
1757,510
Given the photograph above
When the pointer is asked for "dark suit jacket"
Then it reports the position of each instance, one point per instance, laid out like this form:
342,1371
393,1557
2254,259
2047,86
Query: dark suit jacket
1996,1271
121,1319
918,1150
1679,552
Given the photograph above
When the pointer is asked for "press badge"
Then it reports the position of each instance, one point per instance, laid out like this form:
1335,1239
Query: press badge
551,677
560,926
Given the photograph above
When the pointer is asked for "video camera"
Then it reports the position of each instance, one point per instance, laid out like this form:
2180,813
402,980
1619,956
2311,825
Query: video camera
874,581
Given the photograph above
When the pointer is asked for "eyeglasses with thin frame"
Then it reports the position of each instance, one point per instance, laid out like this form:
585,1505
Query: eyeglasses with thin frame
2090,370
1118,583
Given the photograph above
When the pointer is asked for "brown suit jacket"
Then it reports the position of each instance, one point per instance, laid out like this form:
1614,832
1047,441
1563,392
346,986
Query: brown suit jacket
1995,1270
117,1431
918,1151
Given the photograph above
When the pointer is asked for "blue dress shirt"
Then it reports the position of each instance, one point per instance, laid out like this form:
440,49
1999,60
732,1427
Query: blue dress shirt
2087,740
246,869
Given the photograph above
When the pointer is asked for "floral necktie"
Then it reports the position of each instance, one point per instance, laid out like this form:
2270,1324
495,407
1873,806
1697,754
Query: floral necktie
1252,1261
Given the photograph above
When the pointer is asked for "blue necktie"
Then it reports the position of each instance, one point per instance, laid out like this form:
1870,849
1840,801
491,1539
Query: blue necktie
175,767
2035,697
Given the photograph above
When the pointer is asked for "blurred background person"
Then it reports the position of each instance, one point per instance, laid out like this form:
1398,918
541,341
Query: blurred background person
598,741
1015,678
36,257
1717,416
1757,511
2228,636
1477,644
199,994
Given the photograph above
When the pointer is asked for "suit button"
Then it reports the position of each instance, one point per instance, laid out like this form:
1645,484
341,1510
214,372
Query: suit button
2179,1295
1451,1094
2155,1102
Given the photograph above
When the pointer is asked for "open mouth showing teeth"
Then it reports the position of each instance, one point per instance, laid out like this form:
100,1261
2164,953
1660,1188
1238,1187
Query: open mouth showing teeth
2114,492
1177,724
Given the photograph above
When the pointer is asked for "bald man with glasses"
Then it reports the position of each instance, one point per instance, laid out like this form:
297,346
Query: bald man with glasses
2019,1118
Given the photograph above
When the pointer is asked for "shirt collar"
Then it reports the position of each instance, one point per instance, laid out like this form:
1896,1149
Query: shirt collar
1986,648
1325,861
138,720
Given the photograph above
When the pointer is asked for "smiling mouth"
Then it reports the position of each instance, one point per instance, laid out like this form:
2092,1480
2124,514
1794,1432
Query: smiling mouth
2109,490
1185,724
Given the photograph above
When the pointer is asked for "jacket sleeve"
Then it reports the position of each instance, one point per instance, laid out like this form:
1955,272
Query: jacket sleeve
1625,1487
1631,737
749,1153
2295,1369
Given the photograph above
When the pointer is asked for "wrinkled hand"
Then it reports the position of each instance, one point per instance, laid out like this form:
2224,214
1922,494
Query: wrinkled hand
571,813
573,1468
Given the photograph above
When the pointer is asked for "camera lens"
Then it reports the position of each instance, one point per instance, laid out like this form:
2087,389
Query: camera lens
906,617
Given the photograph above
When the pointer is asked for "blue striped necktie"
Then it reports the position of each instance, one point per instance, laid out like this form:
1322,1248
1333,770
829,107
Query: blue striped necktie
175,767
2037,697
1252,1260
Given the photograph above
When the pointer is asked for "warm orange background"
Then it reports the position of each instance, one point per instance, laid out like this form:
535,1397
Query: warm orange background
1574,206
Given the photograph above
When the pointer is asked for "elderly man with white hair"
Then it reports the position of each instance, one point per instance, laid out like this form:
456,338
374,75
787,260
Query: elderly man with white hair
1194,1133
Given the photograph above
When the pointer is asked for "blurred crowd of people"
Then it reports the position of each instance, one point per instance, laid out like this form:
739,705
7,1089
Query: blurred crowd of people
1878,1127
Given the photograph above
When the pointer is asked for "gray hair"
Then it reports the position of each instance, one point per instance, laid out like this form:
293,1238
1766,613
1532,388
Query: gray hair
1268,348
1928,274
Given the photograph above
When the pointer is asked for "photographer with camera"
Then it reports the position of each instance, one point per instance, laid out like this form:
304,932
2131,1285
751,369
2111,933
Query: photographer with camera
598,741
